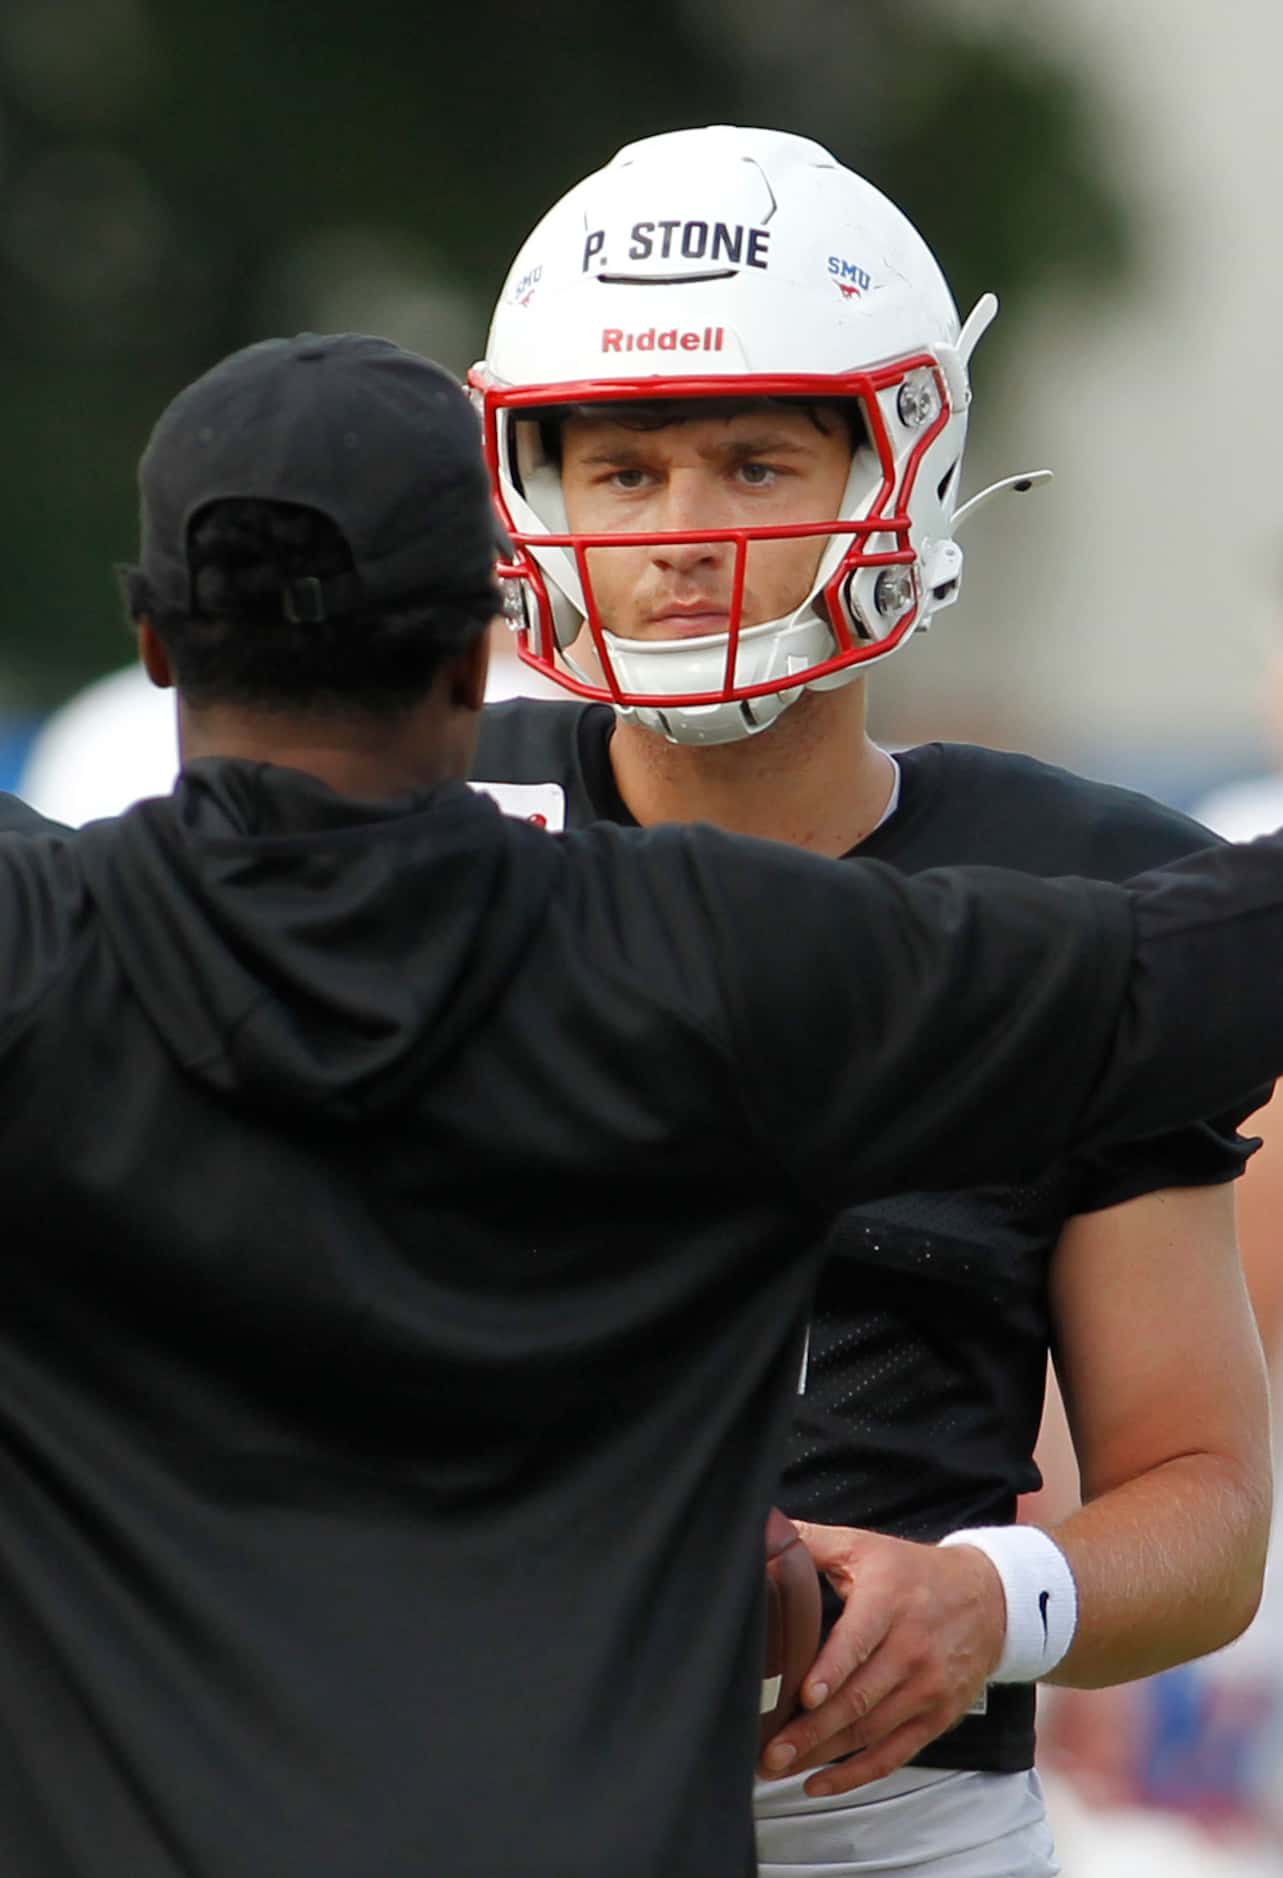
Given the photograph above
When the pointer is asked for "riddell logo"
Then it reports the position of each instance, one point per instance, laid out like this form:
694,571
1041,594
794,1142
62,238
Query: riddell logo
708,339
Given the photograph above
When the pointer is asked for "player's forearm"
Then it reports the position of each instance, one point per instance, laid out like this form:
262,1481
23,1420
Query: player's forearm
1168,1566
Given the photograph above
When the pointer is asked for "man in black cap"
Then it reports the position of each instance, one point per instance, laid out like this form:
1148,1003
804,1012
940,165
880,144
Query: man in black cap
411,1214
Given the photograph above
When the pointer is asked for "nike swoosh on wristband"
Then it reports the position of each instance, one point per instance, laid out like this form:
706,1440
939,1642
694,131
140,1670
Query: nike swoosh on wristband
1044,1599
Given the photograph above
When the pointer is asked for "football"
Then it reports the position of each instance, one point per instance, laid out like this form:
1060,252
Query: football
792,1623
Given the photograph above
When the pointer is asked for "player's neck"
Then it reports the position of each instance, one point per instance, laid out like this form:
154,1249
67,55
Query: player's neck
813,779
364,758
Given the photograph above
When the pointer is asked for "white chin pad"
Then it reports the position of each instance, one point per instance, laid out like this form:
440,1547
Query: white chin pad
707,724
678,668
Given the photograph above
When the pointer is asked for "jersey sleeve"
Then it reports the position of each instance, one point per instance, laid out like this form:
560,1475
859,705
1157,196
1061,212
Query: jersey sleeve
1201,1154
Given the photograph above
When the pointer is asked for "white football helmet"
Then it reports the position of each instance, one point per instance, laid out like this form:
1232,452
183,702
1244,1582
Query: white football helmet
742,263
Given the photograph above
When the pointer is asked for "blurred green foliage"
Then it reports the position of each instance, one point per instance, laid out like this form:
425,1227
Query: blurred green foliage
177,180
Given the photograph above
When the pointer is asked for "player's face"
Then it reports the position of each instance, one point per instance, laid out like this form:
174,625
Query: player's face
758,467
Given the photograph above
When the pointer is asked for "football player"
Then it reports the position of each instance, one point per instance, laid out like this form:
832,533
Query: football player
725,400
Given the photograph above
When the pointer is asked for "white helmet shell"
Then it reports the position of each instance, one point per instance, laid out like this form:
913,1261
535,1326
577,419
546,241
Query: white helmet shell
726,262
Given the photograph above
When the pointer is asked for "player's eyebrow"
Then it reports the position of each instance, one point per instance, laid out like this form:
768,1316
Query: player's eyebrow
628,454
767,443
620,455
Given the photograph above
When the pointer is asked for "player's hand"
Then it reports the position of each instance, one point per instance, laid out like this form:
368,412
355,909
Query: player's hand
921,1628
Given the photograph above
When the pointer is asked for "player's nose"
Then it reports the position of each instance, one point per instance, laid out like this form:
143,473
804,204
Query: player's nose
687,507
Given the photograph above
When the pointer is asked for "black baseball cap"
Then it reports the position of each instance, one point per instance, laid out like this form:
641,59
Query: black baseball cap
380,440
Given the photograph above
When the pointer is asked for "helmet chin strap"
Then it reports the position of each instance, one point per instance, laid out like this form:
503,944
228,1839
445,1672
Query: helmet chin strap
1027,479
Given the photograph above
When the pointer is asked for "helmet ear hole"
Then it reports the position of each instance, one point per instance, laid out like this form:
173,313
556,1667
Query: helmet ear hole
942,574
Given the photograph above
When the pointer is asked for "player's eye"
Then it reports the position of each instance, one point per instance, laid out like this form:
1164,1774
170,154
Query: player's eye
757,475
631,478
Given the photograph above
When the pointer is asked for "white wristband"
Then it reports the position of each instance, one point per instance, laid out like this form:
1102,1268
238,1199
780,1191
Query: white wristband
1041,1597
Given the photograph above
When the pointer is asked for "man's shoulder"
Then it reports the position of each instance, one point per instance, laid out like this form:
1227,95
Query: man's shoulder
529,739
549,761
19,818
1003,808
43,902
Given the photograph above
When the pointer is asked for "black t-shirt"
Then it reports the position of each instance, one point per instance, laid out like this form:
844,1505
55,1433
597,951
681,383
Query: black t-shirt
930,1333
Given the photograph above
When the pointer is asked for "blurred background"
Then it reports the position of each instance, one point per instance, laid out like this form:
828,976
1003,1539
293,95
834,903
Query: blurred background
178,180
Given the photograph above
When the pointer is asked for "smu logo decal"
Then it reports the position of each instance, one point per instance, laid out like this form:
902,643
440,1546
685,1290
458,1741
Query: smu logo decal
724,247
849,279
523,291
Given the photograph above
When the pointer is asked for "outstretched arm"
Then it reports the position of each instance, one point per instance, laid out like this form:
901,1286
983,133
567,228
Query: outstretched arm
1165,1390
1260,1225
974,1025
1079,1739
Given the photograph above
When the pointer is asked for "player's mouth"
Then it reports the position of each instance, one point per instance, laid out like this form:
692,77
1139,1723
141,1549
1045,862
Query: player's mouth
686,622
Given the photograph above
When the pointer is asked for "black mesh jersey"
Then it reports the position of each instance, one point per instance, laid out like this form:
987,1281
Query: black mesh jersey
929,1340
